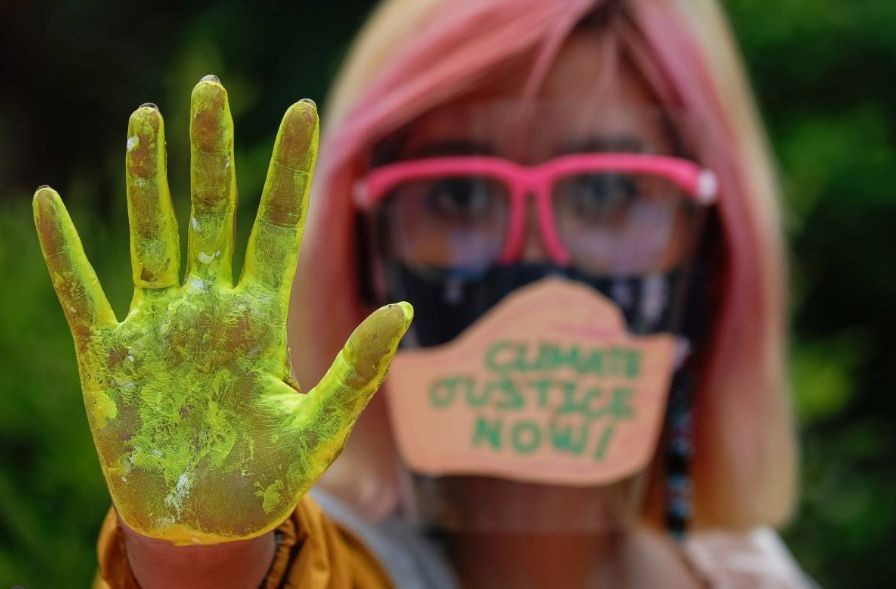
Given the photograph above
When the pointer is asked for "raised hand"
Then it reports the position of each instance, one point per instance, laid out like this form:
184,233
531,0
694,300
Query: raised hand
201,432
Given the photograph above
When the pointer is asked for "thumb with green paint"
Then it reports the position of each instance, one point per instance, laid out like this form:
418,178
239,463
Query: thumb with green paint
201,430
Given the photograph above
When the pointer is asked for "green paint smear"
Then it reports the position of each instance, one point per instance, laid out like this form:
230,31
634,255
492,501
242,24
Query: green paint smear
201,433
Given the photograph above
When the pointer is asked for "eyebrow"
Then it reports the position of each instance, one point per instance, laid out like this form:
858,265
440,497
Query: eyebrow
623,143
451,147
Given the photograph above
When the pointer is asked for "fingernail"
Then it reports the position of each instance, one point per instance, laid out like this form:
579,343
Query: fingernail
309,101
149,105
407,310
210,78
43,198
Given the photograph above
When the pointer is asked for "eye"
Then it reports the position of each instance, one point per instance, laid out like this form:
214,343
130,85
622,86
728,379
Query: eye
599,195
462,199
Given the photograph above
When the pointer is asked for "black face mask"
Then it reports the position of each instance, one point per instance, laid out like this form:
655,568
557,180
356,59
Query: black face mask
446,302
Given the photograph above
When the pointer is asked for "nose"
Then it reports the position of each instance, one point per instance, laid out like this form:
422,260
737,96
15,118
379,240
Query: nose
533,249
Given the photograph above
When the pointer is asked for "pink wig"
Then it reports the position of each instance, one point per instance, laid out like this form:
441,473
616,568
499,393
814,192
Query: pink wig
415,56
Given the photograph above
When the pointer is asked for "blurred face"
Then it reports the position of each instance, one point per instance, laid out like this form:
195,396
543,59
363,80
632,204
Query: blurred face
606,221
494,194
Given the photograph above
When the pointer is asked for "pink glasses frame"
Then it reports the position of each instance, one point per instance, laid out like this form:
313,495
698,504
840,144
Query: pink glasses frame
698,183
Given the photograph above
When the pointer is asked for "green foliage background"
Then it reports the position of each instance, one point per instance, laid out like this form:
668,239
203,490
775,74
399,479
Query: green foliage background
73,70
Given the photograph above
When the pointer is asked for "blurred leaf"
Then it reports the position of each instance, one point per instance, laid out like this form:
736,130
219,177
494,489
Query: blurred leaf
822,376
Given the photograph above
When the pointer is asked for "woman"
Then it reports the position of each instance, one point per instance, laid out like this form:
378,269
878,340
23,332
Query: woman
664,73
576,198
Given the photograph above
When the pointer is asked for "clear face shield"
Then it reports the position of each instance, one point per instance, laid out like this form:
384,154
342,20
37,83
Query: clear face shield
546,251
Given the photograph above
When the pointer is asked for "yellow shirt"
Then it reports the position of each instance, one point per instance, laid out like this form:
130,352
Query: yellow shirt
313,552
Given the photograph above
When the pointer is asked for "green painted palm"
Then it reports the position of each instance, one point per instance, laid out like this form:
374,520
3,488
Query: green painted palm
201,431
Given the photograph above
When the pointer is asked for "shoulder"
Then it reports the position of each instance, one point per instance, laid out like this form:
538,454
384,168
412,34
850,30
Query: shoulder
757,558
409,558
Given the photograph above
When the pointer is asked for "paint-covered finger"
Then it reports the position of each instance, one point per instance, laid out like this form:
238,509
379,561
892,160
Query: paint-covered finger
213,182
274,243
79,291
155,246
361,366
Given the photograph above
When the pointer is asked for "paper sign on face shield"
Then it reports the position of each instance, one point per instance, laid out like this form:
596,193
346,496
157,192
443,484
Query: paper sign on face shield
546,387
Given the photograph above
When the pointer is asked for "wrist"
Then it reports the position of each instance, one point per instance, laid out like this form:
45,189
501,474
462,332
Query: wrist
231,565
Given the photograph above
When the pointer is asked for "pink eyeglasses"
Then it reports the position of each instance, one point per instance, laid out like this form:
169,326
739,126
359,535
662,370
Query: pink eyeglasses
603,211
